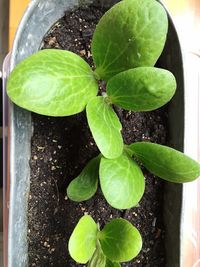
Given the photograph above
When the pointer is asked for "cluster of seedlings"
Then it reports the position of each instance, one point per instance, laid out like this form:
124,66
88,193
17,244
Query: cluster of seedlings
126,44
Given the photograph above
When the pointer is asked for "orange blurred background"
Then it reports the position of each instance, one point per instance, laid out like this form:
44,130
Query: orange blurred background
17,8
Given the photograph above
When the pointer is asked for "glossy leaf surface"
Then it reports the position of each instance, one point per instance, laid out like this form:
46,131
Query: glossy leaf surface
142,89
120,240
105,127
122,181
52,82
131,34
82,243
166,162
85,185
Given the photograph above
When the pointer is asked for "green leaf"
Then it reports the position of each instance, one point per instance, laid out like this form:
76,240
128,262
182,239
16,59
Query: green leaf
105,127
131,34
122,181
82,243
142,89
166,162
112,264
120,240
52,82
98,258
85,185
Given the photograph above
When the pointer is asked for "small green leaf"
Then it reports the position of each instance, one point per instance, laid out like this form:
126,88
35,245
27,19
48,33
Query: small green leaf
142,89
120,240
52,82
105,127
85,185
166,162
122,181
131,34
82,243
112,264
98,258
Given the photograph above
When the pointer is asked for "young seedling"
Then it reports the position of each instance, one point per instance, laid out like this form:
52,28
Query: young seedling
119,241
126,44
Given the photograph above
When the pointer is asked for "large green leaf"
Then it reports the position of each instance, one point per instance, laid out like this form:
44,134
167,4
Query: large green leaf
85,185
112,264
120,240
82,243
142,88
105,127
98,258
166,162
122,181
131,34
52,82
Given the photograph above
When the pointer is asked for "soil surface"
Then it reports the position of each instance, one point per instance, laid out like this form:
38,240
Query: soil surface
60,149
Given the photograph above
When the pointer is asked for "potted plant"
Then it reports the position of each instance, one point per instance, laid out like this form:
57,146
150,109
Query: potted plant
120,74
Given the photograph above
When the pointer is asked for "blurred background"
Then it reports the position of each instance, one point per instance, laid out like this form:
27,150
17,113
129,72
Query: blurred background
185,13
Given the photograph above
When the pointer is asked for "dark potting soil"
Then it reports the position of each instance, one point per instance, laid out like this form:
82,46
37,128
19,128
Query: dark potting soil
60,149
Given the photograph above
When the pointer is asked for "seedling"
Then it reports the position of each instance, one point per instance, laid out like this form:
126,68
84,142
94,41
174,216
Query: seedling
119,241
126,44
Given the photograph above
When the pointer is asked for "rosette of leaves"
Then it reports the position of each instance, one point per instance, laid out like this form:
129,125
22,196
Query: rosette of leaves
126,44
119,241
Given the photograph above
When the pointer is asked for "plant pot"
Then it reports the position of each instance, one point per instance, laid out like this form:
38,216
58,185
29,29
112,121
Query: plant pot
38,19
